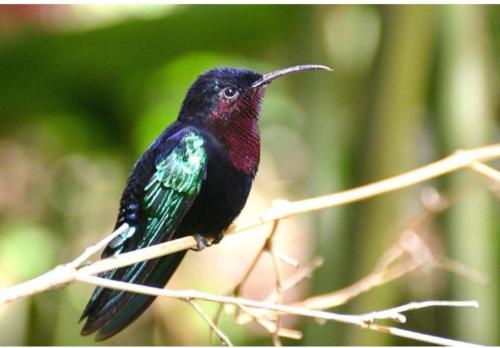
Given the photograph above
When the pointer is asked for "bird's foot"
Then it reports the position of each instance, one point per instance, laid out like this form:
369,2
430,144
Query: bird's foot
201,242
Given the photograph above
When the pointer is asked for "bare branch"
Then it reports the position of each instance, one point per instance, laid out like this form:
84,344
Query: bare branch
392,265
76,270
265,323
363,320
270,247
339,297
417,336
211,324
59,276
486,171
460,159
94,249
395,313
459,268
303,272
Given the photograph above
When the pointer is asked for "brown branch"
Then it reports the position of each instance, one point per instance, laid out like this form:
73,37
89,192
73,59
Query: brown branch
58,277
339,297
395,313
298,276
270,247
459,268
74,271
420,336
363,320
286,284
460,159
486,171
213,326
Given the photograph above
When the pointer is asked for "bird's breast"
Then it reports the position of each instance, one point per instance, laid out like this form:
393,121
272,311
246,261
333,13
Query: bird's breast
223,195
240,137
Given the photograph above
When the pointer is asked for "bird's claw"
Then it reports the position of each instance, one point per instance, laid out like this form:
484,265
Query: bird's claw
201,242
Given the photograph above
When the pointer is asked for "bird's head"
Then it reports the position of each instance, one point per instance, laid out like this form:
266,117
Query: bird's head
227,102
223,95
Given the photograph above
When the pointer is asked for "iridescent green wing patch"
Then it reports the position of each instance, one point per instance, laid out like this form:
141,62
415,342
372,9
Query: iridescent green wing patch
177,181
170,192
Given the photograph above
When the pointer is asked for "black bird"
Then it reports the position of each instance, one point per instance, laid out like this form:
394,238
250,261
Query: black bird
193,180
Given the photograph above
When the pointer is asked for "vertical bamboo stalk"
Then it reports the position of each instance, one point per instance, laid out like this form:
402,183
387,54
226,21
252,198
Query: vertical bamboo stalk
393,123
467,120
322,100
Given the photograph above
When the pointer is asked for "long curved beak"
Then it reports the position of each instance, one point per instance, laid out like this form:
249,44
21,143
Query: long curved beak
267,78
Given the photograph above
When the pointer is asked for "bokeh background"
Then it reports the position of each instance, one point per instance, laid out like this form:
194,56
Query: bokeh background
85,88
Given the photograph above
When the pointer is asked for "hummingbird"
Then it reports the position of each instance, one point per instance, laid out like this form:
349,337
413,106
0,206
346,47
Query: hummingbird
194,179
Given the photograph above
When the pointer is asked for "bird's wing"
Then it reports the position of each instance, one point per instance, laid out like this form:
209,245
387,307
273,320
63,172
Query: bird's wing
167,197
169,192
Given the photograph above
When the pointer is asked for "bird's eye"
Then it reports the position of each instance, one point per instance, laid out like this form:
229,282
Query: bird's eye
230,93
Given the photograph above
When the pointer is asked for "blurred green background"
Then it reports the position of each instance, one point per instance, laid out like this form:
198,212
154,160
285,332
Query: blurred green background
85,88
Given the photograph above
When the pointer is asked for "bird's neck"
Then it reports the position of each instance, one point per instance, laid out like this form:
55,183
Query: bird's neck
241,138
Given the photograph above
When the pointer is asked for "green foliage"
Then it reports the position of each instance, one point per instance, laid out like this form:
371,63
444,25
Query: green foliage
26,250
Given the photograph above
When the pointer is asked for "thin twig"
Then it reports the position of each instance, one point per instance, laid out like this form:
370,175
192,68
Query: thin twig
273,327
270,248
459,268
363,320
417,336
268,325
59,276
266,247
372,280
459,159
256,315
395,313
486,171
94,249
298,276
236,291
210,323
392,265
288,260
187,295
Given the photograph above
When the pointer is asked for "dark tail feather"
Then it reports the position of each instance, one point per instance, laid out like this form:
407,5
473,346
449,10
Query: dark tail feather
110,311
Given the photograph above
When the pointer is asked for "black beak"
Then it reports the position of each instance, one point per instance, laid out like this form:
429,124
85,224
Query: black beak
267,78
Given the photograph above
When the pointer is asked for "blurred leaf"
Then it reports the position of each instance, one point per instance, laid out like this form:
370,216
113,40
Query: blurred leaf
26,250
